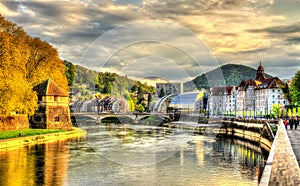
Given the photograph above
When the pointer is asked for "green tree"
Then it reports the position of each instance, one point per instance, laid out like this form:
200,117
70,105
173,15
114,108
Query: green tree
276,109
70,72
295,88
161,93
140,108
287,93
107,88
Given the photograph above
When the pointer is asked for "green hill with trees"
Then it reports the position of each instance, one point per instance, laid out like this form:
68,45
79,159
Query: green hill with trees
105,84
232,74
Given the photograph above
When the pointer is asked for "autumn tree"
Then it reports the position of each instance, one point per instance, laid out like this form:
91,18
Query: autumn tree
25,62
16,92
44,63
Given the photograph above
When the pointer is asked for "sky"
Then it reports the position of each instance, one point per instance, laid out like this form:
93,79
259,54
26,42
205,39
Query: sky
174,40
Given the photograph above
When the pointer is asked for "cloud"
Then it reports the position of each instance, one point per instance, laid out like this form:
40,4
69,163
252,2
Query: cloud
282,29
235,31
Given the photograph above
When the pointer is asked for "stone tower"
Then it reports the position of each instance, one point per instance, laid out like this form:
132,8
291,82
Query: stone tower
53,110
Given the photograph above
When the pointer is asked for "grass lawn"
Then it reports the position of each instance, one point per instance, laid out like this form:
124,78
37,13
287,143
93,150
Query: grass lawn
27,132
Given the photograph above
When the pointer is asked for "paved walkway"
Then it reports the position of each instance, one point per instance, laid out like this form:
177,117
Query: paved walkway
294,136
282,167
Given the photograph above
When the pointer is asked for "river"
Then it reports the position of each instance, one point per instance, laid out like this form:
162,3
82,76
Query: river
135,155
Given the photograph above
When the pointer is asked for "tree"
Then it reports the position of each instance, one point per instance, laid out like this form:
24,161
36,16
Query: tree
107,88
140,108
287,93
295,88
161,93
44,63
25,62
17,96
276,110
70,72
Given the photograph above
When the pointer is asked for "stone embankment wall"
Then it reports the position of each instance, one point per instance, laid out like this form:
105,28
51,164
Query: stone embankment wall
255,132
15,122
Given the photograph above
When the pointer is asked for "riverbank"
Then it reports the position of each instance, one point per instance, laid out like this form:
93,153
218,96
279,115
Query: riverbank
12,143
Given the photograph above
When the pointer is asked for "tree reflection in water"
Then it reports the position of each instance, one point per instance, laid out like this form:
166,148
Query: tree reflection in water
43,164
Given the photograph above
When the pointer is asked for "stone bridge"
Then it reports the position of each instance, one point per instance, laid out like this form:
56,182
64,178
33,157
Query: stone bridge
134,116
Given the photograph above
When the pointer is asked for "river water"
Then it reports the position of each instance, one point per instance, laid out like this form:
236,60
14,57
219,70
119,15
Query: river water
135,155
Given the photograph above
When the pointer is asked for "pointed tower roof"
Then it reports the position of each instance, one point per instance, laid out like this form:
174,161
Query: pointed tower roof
260,73
49,88
261,68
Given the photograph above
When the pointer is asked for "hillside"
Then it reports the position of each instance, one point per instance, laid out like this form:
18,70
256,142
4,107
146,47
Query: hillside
102,82
233,74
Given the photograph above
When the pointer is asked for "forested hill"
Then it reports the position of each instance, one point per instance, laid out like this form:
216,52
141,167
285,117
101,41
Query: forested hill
233,74
103,82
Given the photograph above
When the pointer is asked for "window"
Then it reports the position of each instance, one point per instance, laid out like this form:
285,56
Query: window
55,98
38,118
56,119
40,98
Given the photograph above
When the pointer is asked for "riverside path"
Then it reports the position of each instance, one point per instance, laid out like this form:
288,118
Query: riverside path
294,136
282,167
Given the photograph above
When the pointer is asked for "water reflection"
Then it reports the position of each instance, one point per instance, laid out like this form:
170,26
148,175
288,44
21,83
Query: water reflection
205,160
43,164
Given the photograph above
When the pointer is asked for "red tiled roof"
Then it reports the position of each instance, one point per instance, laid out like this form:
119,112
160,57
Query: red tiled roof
49,88
273,82
246,83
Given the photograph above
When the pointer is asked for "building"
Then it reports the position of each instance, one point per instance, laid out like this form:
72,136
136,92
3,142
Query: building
250,98
189,102
267,94
168,88
222,100
246,97
53,107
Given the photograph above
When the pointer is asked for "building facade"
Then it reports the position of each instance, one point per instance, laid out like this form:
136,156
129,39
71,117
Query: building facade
222,100
250,98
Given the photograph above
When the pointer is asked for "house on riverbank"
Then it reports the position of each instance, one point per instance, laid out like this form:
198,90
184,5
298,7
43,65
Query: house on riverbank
53,111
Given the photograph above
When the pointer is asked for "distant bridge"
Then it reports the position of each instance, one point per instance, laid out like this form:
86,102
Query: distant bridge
132,115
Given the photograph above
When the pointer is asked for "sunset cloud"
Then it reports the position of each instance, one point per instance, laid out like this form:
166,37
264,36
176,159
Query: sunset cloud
235,31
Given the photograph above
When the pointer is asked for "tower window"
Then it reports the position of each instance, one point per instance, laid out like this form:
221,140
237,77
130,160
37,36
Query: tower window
55,98
56,119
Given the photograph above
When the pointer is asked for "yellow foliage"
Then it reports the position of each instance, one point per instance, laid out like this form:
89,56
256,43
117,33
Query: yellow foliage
25,62
200,95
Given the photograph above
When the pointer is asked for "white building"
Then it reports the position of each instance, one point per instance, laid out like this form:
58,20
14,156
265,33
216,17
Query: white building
222,100
251,98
